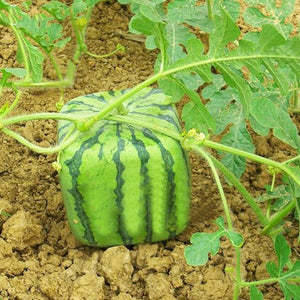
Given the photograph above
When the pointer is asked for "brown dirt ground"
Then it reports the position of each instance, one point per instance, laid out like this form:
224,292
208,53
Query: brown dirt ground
39,258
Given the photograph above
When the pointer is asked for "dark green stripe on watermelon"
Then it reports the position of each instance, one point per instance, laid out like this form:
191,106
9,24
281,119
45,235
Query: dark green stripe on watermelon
118,190
74,168
145,184
170,184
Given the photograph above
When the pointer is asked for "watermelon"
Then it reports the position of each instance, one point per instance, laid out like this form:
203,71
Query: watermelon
124,184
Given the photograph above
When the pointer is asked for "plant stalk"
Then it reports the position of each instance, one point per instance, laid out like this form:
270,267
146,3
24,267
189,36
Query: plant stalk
253,157
39,149
246,195
210,4
276,219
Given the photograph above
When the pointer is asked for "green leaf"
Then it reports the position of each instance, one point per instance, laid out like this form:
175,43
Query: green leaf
195,48
286,130
202,244
219,105
225,31
270,37
141,25
188,11
177,36
235,80
177,85
232,8
35,60
205,243
276,15
92,3
235,238
27,4
238,137
18,72
255,293
57,9
287,280
4,5
195,115
283,252
78,7
152,12
264,111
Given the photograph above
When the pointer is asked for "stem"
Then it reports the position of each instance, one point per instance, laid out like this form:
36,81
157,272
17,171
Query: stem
292,159
269,202
12,106
237,287
227,213
118,48
20,43
55,65
137,122
246,195
39,149
48,84
210,5
259,282
208,158
275,220
90,122
39,116
254,157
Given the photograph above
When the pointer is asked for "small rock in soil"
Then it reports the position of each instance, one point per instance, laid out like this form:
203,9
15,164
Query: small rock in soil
117,267
158,287
89,284
22,230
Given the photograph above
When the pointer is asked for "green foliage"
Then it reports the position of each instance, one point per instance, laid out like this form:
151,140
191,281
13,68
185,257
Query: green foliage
287,279
269,56
41,34
255,293
205,243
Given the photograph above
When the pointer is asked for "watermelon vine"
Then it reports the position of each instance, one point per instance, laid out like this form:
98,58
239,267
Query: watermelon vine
134,137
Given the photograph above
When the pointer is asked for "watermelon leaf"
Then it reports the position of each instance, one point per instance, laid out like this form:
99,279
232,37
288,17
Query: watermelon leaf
204,244
255,293
288,280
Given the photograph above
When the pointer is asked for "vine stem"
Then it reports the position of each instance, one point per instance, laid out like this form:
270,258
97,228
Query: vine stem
210,162
38,116
154,78
12,106
276,219
38,149
253,157
210,4
207,157
246,195
20,42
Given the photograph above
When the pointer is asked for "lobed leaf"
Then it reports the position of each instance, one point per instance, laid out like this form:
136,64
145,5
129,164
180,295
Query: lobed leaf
18,72
204,244
276,15
195,114
225,31
287,280
255,293
57,9
35,60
